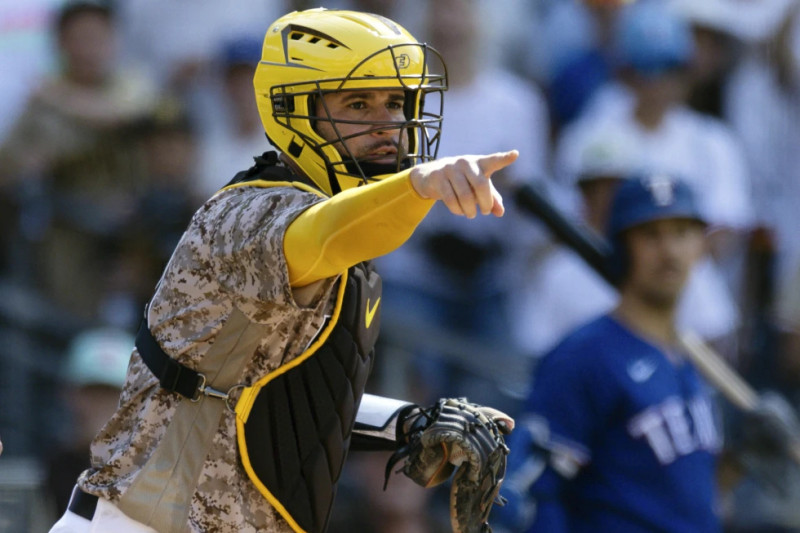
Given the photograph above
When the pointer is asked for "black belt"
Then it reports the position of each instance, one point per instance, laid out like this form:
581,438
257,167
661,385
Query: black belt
82,503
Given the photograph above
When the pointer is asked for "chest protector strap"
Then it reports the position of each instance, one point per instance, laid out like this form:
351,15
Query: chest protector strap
294,425
172,375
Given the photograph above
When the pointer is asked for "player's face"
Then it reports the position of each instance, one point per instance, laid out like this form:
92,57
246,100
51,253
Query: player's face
87,45
663,90
661,255
356,113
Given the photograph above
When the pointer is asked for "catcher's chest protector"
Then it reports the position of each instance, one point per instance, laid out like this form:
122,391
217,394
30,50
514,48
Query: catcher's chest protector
294,424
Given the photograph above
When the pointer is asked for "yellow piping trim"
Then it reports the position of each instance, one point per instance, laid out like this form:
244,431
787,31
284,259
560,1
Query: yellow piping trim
248,396
265,183
245,404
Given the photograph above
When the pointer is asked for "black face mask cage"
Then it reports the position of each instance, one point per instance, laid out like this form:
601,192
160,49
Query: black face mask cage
423,109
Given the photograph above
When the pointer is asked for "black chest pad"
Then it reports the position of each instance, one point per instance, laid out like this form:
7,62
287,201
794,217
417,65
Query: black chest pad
298,431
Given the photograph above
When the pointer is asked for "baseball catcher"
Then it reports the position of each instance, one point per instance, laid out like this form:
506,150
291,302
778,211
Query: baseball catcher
245,390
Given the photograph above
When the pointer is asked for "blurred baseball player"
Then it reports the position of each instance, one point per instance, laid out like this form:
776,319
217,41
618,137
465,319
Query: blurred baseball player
619,433
246,383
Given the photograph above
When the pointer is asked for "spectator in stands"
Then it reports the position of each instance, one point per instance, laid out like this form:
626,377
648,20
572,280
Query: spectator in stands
763,108
645,109
559,291
465,274
230,144
94,371
161,211
70,149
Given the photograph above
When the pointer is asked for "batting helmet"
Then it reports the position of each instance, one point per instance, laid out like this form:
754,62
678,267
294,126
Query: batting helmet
308,53
642,199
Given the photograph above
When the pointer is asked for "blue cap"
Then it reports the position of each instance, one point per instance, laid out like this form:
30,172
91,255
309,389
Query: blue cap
650,197
574,82
651,38
641,199
242,51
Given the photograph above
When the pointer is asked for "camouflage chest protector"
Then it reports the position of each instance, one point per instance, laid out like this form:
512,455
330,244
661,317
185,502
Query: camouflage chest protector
294,425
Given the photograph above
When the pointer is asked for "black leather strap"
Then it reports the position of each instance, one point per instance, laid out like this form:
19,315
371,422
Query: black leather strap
172,375
82,503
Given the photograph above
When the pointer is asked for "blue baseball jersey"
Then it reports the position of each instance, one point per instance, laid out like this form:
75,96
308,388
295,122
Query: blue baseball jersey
616,435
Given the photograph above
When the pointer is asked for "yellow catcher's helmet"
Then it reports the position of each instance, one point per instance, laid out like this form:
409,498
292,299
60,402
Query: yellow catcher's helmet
308,53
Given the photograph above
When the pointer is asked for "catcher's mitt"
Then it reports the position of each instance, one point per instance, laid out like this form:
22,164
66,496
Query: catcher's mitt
455,435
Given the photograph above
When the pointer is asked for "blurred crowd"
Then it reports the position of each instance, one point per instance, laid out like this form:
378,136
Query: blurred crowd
118,118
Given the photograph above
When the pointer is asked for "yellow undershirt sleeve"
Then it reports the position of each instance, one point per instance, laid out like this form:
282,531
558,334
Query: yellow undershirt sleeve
353,226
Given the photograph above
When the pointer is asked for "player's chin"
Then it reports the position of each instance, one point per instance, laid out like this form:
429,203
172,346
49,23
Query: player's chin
663,296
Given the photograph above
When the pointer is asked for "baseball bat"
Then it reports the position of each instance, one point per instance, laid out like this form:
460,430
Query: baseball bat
732,386
591,249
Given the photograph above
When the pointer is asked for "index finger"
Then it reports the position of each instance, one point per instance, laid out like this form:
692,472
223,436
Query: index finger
489,164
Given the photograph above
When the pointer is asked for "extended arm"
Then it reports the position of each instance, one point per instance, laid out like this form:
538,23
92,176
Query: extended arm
353,226
366,222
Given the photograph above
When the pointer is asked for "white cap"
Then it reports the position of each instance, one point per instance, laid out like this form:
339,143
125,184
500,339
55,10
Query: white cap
592,151
605,156
99,357
750,21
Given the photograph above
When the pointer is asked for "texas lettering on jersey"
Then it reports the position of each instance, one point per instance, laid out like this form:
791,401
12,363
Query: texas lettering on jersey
609,411
675,428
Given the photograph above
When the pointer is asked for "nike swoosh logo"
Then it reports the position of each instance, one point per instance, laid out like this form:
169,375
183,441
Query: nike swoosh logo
371,312
641,370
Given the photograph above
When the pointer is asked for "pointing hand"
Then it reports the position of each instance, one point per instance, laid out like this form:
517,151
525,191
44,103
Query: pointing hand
464,182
